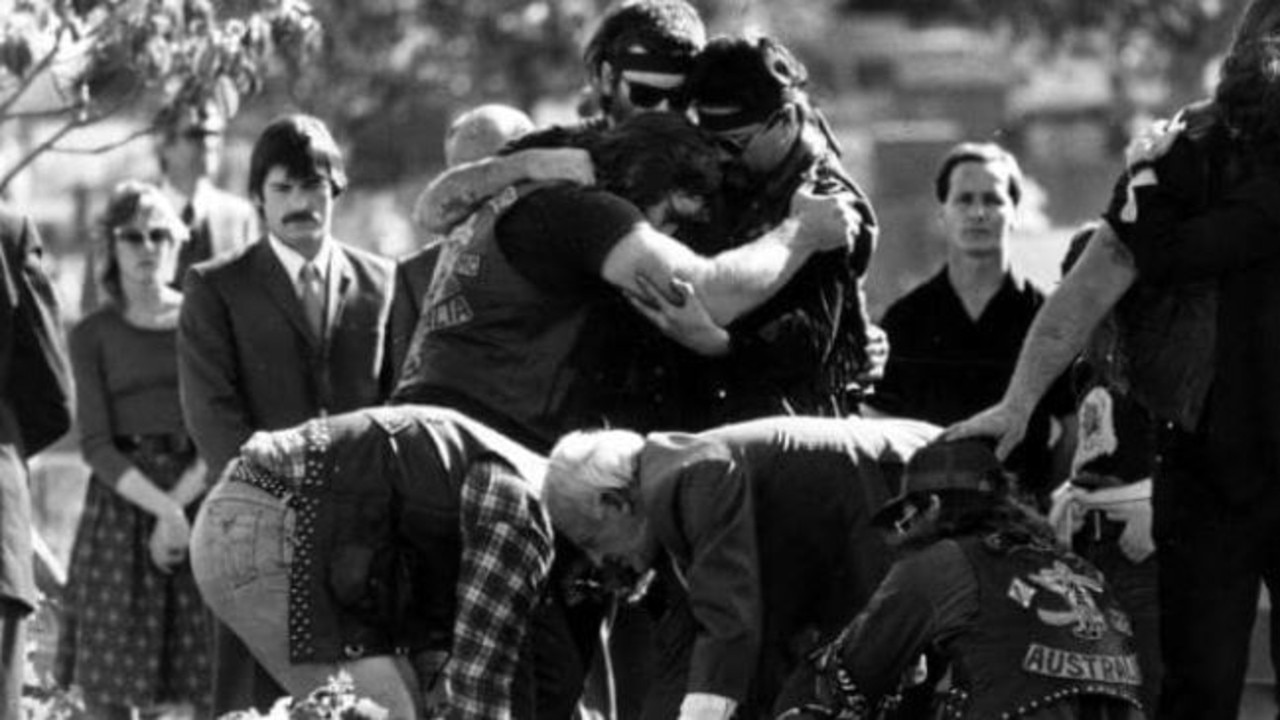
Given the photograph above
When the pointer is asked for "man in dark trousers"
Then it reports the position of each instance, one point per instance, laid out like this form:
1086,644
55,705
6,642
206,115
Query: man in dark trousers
35,410
762,529
289,328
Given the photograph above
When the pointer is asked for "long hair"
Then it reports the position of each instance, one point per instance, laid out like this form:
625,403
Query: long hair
965,513
654,154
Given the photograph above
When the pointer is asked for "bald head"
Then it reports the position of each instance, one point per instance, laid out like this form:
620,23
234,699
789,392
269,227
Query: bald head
482,131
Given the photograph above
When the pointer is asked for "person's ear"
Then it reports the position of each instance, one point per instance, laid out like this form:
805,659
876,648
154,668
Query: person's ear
606,79
932,512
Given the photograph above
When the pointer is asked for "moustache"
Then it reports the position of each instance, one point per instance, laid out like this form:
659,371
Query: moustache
301,216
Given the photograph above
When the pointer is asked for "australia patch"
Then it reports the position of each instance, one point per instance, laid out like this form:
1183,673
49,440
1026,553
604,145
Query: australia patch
1067,665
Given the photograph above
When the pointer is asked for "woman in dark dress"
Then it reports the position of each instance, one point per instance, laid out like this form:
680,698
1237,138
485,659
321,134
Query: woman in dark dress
135,637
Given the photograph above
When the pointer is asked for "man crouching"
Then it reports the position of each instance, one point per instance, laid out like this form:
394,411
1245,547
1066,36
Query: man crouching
370,541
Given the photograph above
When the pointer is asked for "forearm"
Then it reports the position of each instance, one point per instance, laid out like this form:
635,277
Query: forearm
1062,328
191,485
139,490
741,279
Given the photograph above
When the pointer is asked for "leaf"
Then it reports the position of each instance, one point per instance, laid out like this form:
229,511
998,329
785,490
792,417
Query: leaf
15,55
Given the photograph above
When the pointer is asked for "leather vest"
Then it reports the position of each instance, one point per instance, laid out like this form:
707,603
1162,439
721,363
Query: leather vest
492,336
1048,629
378,540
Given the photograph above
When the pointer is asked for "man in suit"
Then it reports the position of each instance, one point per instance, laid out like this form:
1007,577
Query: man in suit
287,329
189,149
35,410
763,529
476,133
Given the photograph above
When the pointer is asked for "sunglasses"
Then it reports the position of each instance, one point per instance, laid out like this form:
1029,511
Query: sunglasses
133,236
737,141
649,96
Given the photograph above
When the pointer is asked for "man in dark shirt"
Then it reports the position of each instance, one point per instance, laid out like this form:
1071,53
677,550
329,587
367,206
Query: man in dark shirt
1205,210
953,341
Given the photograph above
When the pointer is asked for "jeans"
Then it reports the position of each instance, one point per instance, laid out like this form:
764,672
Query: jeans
241,552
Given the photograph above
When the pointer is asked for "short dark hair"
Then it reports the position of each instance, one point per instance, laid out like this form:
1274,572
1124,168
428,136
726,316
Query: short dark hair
755,76
654,154
669,29
303,146
982,153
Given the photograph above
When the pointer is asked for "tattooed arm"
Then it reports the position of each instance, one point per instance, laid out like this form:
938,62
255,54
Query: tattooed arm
456,193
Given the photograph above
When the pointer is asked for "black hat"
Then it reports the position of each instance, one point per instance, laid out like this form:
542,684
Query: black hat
952,465
753,77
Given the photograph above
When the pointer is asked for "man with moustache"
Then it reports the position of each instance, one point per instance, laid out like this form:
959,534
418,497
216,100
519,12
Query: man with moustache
289,328
954,339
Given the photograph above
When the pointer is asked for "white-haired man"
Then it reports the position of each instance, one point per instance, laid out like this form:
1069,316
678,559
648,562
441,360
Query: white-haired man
764,528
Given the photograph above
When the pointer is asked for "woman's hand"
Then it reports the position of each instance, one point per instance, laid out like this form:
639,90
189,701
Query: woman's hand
170,540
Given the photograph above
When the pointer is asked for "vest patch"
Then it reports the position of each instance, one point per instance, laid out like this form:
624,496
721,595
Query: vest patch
1058,663
1076,591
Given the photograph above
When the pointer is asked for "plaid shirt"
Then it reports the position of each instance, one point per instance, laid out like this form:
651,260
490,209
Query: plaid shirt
506,555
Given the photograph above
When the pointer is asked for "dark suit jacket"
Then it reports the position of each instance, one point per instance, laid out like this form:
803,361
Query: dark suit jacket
768,525
248,361
35,393
413,280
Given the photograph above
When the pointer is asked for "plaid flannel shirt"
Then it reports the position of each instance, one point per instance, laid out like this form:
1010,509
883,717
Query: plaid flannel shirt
507,550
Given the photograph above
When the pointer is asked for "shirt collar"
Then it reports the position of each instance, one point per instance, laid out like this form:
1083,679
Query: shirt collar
198,200
293,261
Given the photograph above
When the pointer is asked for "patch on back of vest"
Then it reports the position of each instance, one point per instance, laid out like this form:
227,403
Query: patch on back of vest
1076,592
1067,665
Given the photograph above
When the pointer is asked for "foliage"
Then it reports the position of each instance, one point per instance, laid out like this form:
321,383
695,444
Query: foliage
336,700
73,64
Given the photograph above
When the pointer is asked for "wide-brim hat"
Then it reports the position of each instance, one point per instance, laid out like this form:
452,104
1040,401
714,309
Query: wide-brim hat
969,465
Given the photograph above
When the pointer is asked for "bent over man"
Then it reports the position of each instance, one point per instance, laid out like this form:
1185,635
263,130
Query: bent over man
361,542
764,526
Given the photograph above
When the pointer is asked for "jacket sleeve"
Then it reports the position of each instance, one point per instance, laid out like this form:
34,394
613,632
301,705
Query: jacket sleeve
209,375
401,324
39,379
723,577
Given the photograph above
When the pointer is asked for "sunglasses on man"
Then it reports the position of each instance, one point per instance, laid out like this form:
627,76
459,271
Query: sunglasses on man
650,96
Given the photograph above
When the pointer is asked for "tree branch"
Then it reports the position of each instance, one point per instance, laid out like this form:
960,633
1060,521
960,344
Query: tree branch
36,152
35,71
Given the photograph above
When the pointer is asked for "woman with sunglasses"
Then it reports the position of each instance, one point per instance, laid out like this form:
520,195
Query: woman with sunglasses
134,635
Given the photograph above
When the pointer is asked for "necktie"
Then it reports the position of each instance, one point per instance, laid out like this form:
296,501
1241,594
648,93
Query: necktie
311,292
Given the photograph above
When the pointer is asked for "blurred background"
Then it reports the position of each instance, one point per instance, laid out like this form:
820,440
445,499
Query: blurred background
1061,83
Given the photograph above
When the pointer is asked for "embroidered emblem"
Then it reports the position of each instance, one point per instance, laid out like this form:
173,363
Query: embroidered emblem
1097,429
1076,591
1059,663
1021,593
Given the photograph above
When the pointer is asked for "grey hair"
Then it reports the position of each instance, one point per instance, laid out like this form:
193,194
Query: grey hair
583,466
